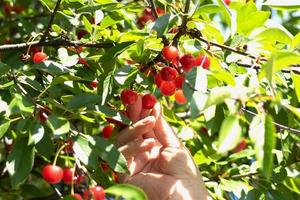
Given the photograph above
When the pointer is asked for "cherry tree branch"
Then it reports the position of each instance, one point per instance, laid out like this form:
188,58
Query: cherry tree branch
182,29
279,126
45,35
55,43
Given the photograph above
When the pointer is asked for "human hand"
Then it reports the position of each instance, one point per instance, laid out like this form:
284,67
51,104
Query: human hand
158,163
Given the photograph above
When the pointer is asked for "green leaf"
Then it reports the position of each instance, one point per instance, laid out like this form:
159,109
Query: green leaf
58,125
37,133
113,52
85,151
161,25
269,145
225,13
195,80
279,61
3,128
230,134
128,192
295,111
107,87
283,5
87,24
296,82
109,153
83,100
20,105
51,67
273,35
20,162
258,18
112,113
66,60
296,41
192,45
217,96
3,69
111,19
206,9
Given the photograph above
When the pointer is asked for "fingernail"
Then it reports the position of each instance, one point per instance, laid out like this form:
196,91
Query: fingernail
148,120
149,140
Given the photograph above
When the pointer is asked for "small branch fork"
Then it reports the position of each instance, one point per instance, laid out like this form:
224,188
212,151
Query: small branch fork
45,35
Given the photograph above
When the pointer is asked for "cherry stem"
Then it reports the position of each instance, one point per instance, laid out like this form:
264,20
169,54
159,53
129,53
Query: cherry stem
72,181
58,152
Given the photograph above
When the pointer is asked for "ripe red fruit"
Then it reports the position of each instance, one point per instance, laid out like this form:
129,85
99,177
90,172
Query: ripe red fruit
170,53
174,30
158,80
93,84
105,168
95,193
167,88
52,174
81,33
68,175
144,19
18,9
34,50
227,2
160,11
115,177
82,61
7,8
42,116
39,57
76,196
187,61
241,146
69,146
203,61
168,74
179,82
107,131
179,97
79,179
148,101
128,97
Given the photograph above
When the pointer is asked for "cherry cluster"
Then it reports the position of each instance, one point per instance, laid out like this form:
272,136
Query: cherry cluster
129,97
170,78
9,9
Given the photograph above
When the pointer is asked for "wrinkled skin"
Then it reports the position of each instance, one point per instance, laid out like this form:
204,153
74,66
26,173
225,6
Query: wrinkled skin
158,162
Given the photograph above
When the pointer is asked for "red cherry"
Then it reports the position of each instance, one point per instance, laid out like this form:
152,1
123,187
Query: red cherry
93,84
82,61
187,61
204,130
170,53
39,57
168,74
241,146
18,9
179,82
167,88
68,175
81,33
144,19
34,50
69,146
79,179
227,2
76,196
179,97
107,131
158,80
128,97
42,116
52,174
95,193
160,11
115,177
105,168
147,11
148,101
174,30
202,61
7,8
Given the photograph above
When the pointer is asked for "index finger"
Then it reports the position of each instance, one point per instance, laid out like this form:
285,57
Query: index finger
163,131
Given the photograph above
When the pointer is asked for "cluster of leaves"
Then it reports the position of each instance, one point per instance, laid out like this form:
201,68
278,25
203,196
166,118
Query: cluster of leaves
250,94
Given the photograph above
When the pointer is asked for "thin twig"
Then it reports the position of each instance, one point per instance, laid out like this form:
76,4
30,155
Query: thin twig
182,29
153,8
279,126
54,43
196,34
45,35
